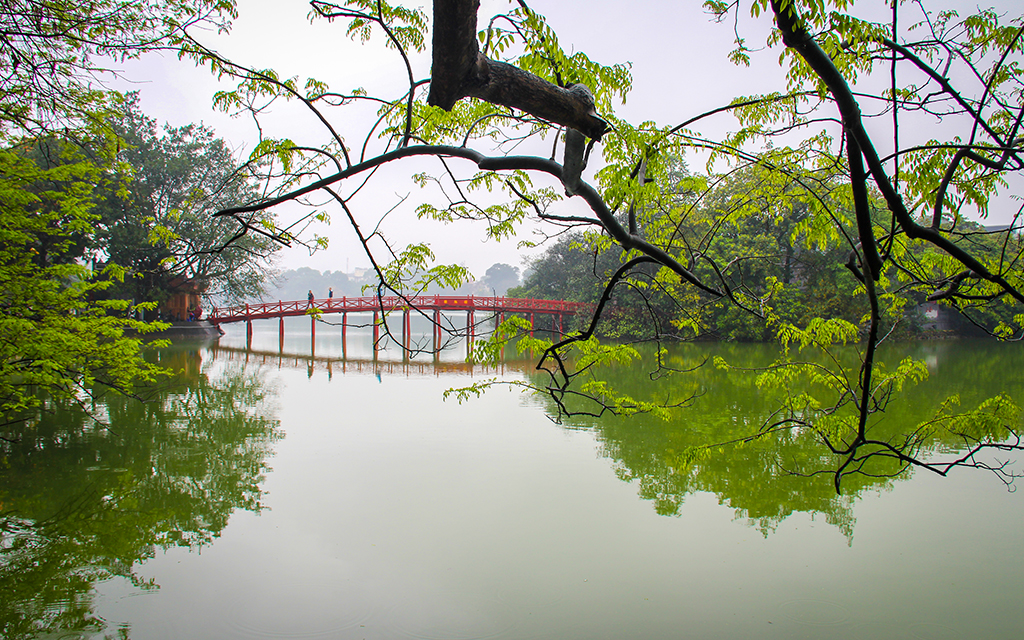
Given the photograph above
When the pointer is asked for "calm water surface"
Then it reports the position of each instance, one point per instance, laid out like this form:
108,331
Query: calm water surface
284,496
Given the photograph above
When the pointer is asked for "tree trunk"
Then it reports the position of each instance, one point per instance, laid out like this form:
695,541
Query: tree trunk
459,70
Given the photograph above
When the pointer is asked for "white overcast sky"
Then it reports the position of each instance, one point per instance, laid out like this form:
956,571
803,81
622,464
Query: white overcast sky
679,69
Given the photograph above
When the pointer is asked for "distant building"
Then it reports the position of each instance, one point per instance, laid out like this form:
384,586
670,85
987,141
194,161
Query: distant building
186,299
935,317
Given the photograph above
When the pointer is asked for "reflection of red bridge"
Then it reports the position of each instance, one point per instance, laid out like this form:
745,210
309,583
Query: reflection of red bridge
385,305
331,365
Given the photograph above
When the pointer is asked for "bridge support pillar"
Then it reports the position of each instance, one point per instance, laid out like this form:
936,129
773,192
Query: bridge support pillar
248,331
435,330
376,332
344,331
498,321
280,330
406,329
531,325
312,335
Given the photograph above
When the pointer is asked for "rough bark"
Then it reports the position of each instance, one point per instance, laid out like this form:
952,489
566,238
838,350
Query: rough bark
459,70
455,51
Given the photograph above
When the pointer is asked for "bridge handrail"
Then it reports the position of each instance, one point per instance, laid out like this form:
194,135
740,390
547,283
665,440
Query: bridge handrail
389,304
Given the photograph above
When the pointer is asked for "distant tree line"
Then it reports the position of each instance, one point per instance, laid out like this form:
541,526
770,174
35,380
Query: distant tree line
746,222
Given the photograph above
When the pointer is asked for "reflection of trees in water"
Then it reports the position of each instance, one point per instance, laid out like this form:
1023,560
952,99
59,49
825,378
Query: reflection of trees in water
82,503
765,480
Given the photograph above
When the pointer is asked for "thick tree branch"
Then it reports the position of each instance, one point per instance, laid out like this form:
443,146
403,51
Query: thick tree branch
593,199
459,70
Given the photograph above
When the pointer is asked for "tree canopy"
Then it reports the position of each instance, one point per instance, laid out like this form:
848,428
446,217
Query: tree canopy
52,53
154,214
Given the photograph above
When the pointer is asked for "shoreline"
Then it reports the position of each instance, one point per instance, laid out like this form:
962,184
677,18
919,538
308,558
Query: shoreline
182,329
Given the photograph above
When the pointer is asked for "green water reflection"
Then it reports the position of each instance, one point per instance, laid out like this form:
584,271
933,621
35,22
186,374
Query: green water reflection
484,513
768,480
81,502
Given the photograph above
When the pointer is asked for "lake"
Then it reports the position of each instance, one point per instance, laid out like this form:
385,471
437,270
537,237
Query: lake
280,491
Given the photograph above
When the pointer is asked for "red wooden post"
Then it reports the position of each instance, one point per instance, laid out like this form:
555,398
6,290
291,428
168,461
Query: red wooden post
376,332
436,329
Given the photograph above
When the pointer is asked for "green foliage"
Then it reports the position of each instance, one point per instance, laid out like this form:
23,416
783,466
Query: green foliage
412,272
53,334
408,27
155,213
544,57
61,338
54,49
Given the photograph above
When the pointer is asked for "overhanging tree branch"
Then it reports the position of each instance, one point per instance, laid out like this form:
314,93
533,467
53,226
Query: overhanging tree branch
497,163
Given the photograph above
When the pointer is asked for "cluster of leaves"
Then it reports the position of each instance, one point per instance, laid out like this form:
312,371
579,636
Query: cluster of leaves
51,52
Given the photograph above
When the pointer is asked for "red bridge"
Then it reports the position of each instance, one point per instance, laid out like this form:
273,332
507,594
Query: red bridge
390,304
393,304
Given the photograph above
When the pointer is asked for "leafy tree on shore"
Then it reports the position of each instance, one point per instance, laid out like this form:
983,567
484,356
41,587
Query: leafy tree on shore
60,341
53,335
155,214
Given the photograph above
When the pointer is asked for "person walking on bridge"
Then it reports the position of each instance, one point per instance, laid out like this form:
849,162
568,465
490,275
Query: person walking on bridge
310,298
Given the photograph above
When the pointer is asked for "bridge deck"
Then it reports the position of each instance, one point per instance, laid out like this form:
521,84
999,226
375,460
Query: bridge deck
391,304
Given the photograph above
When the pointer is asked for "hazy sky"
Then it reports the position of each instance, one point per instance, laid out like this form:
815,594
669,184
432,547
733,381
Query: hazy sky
679,69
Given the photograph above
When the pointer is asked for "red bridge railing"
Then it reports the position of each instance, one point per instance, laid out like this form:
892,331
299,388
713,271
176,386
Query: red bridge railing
390,304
